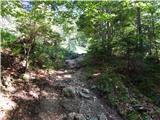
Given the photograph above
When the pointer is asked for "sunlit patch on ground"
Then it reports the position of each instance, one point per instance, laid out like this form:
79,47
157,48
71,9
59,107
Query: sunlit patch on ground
67,76
27,90
6,105
96,74
60,75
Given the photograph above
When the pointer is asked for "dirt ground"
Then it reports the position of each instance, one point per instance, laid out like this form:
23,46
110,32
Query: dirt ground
40,97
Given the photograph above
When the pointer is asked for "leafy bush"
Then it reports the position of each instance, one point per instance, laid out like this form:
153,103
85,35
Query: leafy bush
44,56
112,84
7,38
132,115
41,55
123,97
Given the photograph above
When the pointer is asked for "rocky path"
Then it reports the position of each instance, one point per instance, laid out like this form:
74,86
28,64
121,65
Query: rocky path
69,98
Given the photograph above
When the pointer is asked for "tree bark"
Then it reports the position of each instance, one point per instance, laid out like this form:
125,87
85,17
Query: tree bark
139,29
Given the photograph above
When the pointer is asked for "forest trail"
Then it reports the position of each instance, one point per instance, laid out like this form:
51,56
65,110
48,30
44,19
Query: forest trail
63,94
68,97
48,45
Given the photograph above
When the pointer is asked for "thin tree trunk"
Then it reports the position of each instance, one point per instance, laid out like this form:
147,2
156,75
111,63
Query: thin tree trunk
128,60
28,53
150,42
109,48
151,34
27,59
139,30
153,29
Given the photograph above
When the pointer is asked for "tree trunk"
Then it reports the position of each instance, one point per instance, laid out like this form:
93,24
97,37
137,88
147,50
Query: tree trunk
150,42
139,30
128,59
109,47
27,58
32,39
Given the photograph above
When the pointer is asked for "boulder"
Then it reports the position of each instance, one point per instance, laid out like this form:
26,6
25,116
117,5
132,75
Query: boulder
75,116
84,95
71,116
102,116
94,118
79,117
26,76
70,105
69,91
70,63
93,87
84,90
74,63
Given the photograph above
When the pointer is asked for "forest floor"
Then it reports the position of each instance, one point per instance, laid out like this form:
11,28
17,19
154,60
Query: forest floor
64,94
50,95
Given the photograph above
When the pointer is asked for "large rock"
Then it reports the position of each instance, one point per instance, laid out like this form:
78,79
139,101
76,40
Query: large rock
26,76
84,95
75,116
71,63
84,90
69,91
72,92
71,105
94,118
92,109
74,63
102,116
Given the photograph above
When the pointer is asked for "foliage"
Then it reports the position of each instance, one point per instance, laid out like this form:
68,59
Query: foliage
122,96
124,36
33,24
48,56
111,84
150,83
6,37
112,28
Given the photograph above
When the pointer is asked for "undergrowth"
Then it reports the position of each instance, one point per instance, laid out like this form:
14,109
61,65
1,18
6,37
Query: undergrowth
118,89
